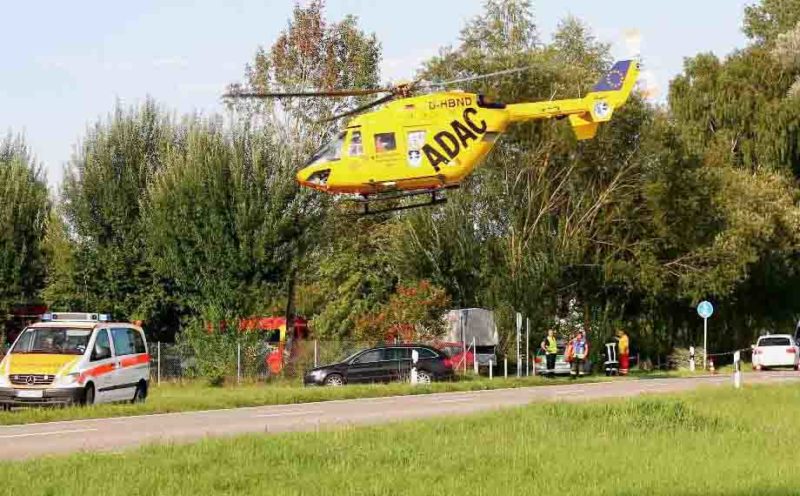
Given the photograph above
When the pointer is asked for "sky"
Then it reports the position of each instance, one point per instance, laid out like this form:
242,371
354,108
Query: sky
67,64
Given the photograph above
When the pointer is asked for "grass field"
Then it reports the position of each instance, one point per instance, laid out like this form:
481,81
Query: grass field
189,396
702,443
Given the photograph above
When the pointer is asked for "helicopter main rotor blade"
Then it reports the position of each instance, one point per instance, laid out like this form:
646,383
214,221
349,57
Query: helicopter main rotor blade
306,94
480,76
358,110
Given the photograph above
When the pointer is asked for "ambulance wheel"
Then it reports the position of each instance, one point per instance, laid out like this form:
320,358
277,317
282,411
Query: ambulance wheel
88,394
141,393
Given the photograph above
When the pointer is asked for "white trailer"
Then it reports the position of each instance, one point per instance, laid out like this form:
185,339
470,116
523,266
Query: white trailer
478,324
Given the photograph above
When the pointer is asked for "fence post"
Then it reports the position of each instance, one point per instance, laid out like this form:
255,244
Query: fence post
527,346
505,367
238,363
737,370
490,369
158,364
315,353
474,356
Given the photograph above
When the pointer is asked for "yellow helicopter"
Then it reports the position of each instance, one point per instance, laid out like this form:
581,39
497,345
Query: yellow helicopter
422,145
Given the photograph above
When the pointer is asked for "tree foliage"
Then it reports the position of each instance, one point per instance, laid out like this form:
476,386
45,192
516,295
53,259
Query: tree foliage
24,213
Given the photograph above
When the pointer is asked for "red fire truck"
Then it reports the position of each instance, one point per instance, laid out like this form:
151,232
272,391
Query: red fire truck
282,347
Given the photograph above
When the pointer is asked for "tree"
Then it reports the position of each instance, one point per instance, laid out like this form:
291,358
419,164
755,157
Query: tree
216,219
24,212
765,20
534,227
413,312
103,197
313,54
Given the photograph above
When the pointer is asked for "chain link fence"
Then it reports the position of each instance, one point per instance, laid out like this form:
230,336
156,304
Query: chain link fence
248,362
263,361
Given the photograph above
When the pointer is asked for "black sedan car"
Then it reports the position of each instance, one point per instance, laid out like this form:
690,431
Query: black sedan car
384,364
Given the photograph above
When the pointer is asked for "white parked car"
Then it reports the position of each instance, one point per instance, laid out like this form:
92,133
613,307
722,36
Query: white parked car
776,350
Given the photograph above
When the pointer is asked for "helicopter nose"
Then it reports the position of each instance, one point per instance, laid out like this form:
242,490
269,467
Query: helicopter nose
317,179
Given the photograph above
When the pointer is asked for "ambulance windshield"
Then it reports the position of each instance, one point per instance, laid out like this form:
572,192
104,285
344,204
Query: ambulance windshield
53,340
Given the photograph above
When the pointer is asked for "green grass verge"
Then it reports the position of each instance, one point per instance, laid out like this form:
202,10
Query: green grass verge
193,396
708,442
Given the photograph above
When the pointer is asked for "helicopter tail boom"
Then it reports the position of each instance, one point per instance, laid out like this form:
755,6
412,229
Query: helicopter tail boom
611,92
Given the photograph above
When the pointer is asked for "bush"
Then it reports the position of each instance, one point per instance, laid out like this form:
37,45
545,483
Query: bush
215,347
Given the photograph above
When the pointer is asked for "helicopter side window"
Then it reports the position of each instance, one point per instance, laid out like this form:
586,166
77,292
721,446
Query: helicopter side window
356,146
486,102
385,142
329,151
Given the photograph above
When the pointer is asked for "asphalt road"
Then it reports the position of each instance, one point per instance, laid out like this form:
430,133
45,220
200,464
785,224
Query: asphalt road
114,434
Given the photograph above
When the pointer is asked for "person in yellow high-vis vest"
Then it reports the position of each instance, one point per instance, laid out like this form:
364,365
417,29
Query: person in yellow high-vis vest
550,347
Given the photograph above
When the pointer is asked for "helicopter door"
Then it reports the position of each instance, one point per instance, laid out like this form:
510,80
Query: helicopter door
354,151
355,145
415,140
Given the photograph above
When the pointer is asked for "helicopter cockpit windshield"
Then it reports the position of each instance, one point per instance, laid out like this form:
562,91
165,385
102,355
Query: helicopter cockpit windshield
328,152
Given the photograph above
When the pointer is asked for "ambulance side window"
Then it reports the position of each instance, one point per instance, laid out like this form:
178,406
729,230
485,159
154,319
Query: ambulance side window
102,346
385,142
138,342
123,341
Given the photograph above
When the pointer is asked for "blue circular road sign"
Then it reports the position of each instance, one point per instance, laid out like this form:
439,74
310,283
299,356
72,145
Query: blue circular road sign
705,309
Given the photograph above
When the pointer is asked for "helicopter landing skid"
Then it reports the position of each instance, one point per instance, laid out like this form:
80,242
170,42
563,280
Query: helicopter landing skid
435,199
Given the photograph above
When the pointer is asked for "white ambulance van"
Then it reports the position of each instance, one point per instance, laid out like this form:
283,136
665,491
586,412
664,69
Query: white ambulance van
75,358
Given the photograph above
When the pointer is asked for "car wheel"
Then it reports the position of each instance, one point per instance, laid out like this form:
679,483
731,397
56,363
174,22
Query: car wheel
141,393
424,377
88,395
334,380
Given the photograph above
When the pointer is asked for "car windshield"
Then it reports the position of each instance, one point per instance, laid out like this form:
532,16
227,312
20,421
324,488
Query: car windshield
55,340
332,150
350,356
774,342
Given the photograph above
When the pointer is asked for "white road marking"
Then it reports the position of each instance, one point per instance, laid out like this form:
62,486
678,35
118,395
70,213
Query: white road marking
287,414
48,433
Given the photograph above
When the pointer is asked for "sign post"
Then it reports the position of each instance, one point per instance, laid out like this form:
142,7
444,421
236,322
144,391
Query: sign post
519,331
705,310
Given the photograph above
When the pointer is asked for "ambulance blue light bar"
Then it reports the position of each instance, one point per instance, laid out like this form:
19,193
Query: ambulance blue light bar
76,317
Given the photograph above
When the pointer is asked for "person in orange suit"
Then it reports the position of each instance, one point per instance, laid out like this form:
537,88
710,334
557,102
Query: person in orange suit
624,352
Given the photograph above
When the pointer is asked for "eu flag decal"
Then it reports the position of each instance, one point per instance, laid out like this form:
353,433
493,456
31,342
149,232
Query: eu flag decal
613,79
